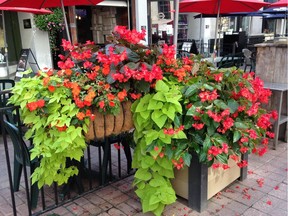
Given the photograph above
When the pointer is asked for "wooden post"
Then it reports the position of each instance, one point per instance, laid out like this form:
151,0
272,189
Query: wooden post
198,184
73,24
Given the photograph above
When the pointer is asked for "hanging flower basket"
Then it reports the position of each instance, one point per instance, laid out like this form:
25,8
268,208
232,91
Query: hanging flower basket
106,125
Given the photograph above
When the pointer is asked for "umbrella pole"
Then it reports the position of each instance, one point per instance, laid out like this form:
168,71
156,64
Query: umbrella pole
5,45
65,21
176,18
200,34
216,32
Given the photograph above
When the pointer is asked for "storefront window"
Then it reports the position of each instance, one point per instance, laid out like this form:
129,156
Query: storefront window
164,7
13,39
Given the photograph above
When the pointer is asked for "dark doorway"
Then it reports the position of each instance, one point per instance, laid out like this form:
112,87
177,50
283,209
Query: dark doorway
84,23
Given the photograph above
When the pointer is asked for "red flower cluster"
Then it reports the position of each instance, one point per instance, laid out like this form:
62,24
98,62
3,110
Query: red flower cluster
35,105
178,164
131,36
139,74
171,131
208,96
213,151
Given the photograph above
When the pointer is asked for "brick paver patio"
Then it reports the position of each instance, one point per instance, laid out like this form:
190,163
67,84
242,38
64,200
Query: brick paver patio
264,192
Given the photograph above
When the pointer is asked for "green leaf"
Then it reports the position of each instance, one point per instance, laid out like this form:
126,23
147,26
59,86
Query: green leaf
143,174
222,158
178,121
154,105
150,136
179,135
165,163
192,111
142,86
145,114
187,158
236,136
159,96
191,90
170,112
209,87
158,211
154,200
161,86
220,104
159,118
240,125
207,143
147,161
168,151
233,105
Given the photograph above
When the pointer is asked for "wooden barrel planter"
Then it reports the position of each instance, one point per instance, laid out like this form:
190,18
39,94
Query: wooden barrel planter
198,183
107,125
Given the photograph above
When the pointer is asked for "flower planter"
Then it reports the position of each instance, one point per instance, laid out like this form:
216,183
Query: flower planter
198,183
106,125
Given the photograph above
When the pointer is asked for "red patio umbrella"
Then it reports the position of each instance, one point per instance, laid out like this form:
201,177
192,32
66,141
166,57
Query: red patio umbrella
27,10
281,3
48,4
219,7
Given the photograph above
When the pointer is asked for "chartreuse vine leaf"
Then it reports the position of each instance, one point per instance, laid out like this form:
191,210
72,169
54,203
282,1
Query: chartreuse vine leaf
161,86
159,118
159,96
147,162
154,105
143,174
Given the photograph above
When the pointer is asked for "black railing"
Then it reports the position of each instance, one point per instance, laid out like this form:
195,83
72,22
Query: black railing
103,163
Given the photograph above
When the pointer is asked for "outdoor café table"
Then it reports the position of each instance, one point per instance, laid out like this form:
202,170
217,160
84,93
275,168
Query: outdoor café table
279,89
216,60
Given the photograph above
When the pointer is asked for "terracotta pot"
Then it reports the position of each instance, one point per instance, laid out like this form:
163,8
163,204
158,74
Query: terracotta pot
106,125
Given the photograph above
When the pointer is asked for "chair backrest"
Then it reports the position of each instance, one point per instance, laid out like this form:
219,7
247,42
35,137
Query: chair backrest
5,84
20,149
247,54
226,61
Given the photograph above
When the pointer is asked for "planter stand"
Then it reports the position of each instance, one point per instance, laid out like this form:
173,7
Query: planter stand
198,183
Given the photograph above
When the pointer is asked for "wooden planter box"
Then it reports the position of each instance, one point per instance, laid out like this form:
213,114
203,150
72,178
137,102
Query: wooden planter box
198,183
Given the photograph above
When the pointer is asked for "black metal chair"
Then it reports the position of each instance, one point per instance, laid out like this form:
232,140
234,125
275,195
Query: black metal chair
5,85
231,60
22,158
249,60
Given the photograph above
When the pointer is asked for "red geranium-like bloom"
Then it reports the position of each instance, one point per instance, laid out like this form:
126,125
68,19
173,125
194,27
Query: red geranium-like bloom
101,104
41,103
51,88
32,106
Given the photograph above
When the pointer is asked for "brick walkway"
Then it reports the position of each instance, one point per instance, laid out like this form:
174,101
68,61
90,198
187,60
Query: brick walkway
264,192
